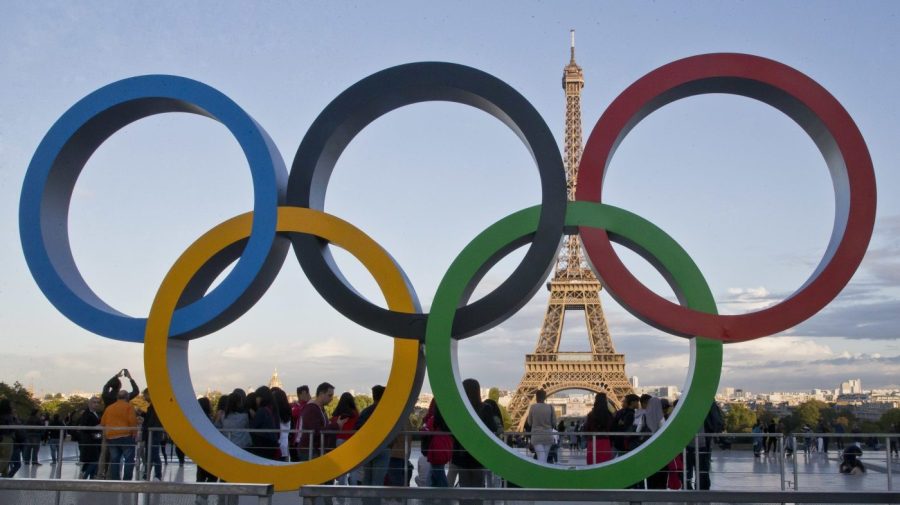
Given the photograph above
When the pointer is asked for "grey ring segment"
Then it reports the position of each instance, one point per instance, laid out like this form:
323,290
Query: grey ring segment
379,94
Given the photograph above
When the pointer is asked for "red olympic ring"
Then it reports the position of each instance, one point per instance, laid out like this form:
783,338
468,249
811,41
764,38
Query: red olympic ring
803,100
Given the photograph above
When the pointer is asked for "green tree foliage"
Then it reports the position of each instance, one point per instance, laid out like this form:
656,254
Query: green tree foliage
417,417
763,414
214,397
494,394
64,407
808,413
890,421
362,401
739,418
20,398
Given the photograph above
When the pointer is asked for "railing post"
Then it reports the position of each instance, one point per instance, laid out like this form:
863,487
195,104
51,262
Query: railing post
887,450
148,455
794,445
697,462
684,474
407,452
781,459
59,455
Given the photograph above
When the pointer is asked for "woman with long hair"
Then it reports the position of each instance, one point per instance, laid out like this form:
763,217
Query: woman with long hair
283,411
599,419
470,471
236,422
265,443
347,412
652,422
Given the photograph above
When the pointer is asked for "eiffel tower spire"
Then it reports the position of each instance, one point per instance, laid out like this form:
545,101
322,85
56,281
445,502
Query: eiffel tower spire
574,287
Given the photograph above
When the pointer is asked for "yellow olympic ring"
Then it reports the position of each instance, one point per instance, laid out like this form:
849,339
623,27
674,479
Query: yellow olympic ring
168,377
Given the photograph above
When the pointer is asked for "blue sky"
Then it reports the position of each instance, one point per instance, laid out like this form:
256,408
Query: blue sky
736,183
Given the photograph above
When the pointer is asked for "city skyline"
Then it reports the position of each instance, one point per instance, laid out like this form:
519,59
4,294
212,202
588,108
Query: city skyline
720,174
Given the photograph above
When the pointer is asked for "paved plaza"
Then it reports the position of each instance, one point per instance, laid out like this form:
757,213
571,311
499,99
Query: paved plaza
735,469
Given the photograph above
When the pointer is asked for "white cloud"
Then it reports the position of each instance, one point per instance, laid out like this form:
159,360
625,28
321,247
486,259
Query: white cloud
327,348
246,351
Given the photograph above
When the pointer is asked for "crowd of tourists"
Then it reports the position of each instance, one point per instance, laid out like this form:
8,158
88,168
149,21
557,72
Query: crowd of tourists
113,436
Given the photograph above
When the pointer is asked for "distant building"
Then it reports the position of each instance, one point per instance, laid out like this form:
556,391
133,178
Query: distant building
670,392
851,387
633,380
275,382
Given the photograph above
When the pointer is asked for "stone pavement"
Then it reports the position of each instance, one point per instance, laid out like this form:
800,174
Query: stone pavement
731,470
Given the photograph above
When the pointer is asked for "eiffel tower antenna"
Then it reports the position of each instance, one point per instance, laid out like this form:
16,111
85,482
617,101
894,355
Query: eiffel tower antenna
574,287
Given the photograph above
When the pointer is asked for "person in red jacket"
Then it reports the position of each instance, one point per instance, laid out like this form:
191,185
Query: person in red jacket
343,421
296,409
313,422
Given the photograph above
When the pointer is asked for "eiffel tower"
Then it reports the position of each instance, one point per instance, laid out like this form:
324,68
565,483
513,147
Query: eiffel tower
573,287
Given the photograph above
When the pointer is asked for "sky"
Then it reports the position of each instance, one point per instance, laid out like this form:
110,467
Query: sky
734,181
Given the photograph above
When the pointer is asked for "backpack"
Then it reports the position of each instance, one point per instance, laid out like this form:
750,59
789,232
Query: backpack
440,449
623,422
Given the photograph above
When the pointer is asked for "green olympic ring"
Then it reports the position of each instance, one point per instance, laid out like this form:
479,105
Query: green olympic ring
440,351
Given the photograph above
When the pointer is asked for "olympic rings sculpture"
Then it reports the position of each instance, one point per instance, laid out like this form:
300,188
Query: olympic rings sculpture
287,212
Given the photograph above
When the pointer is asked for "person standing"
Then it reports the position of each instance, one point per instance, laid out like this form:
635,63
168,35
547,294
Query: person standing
120,424
264,443
375,471
343,419
623,422
112,387
151,431
542,419
758,440
714,423
440,448
89,441
236,422
296,409
599,419
469,470
283,411
54,430
7,436
33,436
313,421
651,421
772,440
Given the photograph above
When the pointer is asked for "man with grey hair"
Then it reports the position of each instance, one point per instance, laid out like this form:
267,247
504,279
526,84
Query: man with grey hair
120,423
89,441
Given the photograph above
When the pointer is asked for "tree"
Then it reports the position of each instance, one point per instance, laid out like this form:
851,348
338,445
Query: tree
73,404
739,418
763,414
808,413
20,398
214,397
889,420
363,401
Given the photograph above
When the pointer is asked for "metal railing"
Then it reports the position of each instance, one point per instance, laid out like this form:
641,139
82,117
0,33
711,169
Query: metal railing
787,468
311,495
263,492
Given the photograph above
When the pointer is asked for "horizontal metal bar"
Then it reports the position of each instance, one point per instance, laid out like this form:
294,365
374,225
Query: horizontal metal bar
585,495
119,486
798,434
